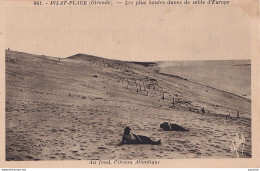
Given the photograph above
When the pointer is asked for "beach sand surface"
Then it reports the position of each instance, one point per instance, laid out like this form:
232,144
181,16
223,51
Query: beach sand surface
77,108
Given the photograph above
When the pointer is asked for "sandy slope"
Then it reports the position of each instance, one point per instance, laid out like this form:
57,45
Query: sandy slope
77,108
229,75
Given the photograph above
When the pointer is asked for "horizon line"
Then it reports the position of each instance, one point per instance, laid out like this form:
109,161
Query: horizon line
8,49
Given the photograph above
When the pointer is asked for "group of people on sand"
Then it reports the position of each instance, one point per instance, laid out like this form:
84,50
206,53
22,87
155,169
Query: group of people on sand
130,138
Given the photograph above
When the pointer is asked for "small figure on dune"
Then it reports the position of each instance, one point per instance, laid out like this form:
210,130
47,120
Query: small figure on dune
228,116
237,114
203,110
130,138
166,126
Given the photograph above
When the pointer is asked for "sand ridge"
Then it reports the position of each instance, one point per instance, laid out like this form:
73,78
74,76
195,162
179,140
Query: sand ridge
76,109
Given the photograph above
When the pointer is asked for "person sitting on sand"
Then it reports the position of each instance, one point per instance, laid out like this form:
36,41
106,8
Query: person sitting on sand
130,138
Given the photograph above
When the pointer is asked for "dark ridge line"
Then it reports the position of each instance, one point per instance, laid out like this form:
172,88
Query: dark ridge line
133,62
86,56
31,55
94,57
242,65
170,75
82,56
145,64
20,52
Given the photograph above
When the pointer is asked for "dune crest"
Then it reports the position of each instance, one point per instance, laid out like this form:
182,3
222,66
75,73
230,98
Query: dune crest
76,109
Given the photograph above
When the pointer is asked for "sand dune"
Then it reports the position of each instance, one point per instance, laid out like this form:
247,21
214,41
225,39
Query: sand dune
230,75
76,109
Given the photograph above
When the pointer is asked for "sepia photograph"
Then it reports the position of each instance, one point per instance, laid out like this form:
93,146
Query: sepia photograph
85,107
111,84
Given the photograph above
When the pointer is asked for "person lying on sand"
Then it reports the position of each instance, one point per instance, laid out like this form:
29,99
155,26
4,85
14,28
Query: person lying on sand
130,138
166,126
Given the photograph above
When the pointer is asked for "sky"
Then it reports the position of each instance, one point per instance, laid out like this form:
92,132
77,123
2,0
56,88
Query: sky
133,33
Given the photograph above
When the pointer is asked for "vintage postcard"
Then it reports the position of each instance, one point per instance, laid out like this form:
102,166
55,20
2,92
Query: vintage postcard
129,83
